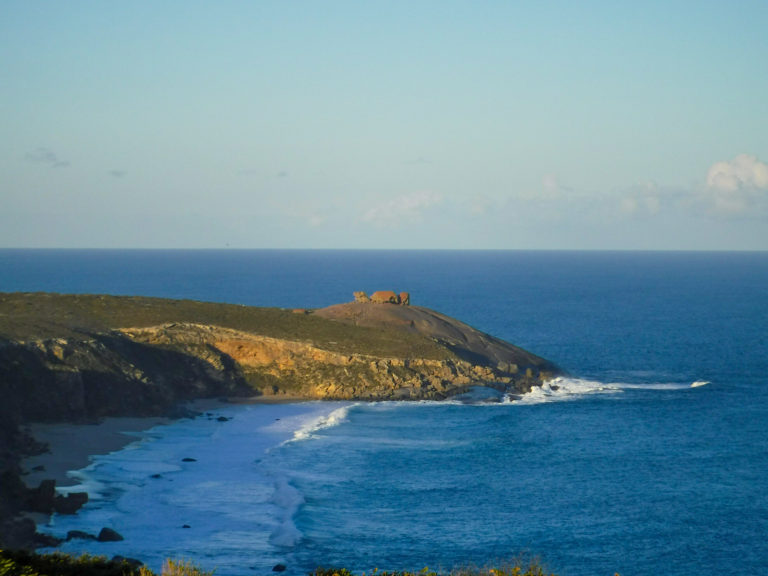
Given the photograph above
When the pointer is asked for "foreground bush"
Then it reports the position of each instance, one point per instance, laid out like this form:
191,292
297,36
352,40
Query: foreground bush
517,568
174,568
22,563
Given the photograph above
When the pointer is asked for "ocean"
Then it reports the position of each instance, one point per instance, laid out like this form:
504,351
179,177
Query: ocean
649,457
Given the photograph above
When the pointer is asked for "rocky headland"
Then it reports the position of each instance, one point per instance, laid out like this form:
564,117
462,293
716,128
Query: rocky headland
80,358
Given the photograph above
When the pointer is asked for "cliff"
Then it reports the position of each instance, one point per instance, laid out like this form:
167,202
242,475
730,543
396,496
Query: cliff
76,357
81,358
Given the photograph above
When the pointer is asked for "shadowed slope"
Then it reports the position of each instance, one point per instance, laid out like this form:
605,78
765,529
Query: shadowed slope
466,342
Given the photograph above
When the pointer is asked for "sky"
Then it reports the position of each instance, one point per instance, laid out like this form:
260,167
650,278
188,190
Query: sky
386,125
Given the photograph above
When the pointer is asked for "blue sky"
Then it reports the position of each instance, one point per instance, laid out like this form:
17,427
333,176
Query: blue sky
503,125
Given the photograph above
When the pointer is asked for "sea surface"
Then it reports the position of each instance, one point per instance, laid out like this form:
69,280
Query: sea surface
650,457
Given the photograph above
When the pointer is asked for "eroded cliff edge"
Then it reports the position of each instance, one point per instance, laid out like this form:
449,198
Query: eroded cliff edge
83,357
77,357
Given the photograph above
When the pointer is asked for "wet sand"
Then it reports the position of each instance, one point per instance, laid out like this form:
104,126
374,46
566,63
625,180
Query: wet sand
72,446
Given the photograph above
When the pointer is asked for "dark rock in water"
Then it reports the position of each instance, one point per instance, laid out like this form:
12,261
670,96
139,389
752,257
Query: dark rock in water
186,526
189,460
109,535
156,476
42,498
70,503
46,540
279,568
223,419
79,535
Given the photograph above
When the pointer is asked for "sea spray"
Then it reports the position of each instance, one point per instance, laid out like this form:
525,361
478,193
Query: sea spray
203,488
288,499
312,425
565,389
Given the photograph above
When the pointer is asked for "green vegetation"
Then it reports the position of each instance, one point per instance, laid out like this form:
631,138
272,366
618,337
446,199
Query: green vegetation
31,564
32,316
176,568
22,563
520,567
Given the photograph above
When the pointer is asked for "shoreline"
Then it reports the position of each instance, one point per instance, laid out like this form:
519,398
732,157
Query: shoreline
258,426
73,446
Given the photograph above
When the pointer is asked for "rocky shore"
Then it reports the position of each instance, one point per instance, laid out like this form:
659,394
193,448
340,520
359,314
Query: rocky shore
78,358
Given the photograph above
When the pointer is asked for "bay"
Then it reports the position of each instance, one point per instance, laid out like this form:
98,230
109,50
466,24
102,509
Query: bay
624,468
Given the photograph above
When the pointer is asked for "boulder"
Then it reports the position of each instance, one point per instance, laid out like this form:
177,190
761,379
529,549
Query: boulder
79,535
70,503
361,297
385,297
109,535
405,299
42,499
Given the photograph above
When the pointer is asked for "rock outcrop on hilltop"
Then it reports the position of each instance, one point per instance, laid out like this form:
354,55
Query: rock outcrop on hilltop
81,358
383,297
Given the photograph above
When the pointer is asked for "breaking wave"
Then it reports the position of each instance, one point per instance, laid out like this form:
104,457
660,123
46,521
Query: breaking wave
313,425
288,500
563,389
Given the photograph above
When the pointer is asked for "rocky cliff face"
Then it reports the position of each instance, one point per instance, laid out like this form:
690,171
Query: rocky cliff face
274,366
384,353
107,375
147,370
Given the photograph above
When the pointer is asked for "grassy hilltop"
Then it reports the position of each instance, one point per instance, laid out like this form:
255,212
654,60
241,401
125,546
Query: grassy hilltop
79,358
35,316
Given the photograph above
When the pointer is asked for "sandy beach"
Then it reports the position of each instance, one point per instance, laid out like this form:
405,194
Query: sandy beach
72,446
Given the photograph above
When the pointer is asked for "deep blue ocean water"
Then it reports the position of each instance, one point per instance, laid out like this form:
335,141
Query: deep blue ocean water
626,468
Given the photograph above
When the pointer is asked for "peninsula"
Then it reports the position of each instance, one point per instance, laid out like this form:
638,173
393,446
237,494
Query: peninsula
81,358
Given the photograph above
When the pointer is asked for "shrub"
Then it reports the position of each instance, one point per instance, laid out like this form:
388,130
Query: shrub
176,568
520,567
22,563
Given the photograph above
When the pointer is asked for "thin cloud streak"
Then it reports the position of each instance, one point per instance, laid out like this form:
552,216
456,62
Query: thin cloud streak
405,208
45,156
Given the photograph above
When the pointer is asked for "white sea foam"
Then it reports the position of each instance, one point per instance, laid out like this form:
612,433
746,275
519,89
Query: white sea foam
187,472
316,423
561,389
288,499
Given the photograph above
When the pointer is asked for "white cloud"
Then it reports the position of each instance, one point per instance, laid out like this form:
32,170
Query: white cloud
479,205
743,172
402,209
641,200
737,186
550,184
316,220
552,188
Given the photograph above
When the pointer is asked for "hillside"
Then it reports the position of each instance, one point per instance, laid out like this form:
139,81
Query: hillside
78,358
